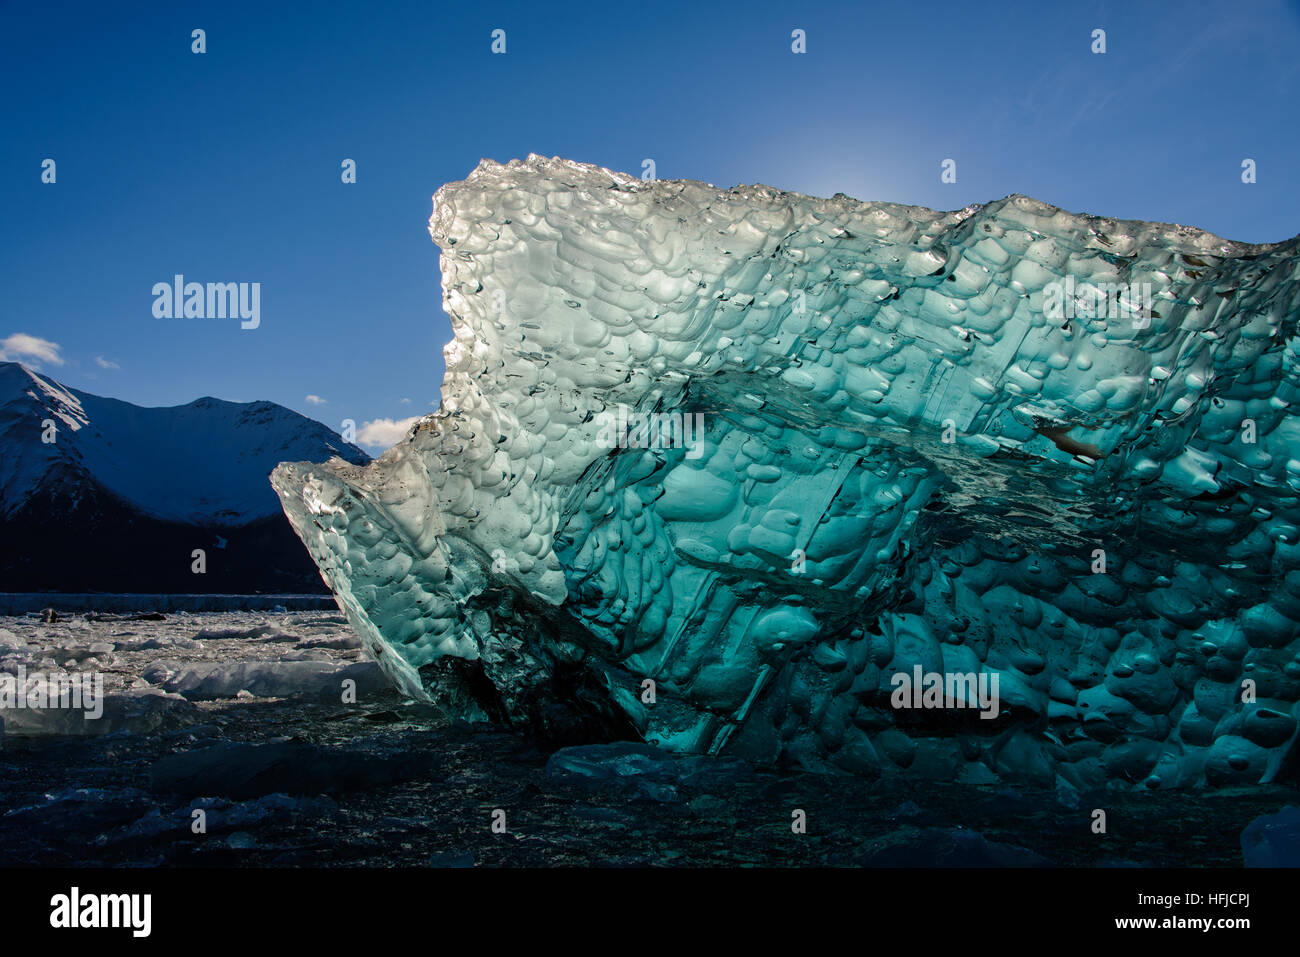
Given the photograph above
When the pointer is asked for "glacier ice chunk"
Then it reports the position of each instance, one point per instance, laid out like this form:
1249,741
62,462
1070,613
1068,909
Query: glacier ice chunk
712,467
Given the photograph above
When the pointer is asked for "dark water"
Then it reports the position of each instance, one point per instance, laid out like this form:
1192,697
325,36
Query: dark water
294,783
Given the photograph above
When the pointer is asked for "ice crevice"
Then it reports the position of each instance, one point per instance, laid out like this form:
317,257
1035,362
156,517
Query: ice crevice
768,452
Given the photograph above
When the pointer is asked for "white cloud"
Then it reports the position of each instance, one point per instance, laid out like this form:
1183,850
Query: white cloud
106,363
20,347
315,400
406,402
385,433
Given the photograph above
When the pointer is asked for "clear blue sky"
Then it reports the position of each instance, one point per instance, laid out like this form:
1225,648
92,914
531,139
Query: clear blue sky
225,166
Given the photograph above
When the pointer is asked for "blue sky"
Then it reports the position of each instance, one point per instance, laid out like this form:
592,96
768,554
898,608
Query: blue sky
225,166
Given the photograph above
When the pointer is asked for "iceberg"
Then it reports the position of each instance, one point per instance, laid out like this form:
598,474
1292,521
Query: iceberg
723,470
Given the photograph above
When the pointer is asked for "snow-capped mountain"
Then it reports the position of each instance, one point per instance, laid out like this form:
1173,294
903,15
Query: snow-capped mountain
100,494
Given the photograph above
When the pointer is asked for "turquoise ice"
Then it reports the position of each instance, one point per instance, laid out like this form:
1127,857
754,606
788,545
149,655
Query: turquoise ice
714,467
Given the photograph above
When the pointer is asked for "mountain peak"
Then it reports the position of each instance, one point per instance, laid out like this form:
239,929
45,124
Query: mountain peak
205,462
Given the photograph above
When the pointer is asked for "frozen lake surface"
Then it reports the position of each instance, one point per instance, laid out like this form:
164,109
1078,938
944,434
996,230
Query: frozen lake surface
242,716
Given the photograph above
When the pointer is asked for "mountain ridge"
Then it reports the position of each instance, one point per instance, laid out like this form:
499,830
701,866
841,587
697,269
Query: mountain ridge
99,494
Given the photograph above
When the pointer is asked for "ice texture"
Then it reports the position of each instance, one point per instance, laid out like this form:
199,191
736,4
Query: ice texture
144,674
907,459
